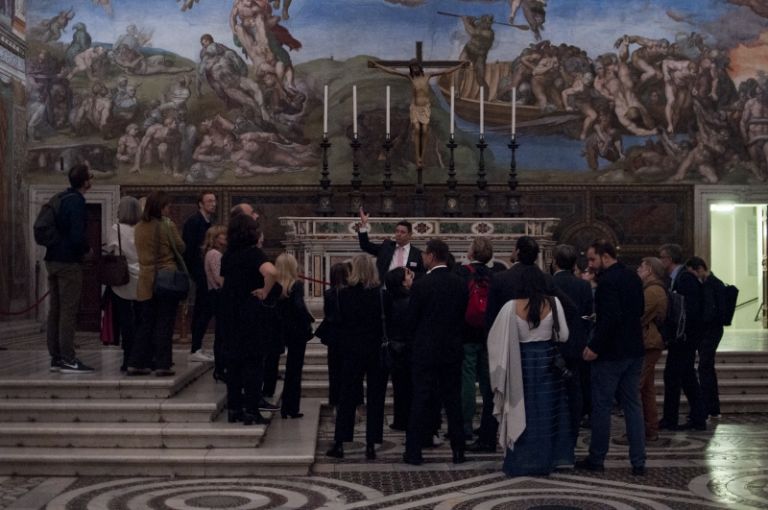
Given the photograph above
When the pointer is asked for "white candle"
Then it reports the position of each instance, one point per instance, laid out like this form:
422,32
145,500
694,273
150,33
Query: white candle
354,110
325,110
514,110
482,100
453,123
387,110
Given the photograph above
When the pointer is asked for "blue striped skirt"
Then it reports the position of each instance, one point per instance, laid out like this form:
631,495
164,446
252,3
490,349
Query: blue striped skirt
547,441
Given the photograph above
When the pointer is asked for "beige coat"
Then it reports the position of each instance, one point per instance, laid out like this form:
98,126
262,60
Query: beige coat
147,235
655,312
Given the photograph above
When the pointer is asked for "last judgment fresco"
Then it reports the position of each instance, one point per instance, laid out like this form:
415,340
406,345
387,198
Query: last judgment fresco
234,91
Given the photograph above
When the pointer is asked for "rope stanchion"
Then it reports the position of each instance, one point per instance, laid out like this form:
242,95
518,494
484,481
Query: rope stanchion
308,279
27,309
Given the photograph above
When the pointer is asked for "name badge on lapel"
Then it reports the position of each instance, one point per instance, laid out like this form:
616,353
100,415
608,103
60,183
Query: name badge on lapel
412,264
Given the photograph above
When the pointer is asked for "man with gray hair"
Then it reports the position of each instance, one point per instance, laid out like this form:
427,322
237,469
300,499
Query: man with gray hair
679,371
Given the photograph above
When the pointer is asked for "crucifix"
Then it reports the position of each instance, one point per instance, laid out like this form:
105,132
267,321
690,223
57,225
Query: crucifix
420,110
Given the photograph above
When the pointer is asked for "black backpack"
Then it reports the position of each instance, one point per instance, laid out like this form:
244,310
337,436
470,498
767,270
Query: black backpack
731,294
672,327
46,227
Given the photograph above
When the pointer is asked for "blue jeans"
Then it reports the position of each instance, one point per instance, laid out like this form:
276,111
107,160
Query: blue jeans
620,378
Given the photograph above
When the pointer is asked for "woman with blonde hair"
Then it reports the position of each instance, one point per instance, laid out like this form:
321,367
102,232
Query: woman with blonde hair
213,248
361,305
296,322
651,271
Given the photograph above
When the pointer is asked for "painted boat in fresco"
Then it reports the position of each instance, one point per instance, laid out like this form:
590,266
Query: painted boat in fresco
498,114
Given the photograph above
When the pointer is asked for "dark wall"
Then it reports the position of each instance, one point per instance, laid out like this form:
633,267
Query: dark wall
638,219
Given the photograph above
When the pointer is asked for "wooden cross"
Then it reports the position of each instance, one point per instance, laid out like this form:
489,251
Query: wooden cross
420,58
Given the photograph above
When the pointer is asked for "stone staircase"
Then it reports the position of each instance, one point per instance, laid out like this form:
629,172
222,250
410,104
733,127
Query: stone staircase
108,423
742,376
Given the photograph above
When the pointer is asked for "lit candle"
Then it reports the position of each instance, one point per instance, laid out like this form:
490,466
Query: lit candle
387,110
514,110
453,124
482,116
354,110
325,110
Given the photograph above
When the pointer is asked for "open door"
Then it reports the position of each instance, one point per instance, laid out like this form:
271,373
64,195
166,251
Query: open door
739,248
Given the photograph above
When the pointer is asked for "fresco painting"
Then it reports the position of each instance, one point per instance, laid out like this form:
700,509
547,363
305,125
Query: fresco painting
230,92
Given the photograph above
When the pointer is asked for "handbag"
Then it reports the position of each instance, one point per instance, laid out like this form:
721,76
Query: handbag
170,283
559,365
114,267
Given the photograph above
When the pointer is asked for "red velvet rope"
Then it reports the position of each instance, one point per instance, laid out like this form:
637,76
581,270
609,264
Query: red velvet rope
29,308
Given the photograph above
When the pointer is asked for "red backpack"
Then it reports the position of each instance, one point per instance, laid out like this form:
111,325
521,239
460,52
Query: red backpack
478,298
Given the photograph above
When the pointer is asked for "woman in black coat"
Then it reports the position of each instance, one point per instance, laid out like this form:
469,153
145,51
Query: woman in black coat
248,278
361,305
329,333
398,282
296,322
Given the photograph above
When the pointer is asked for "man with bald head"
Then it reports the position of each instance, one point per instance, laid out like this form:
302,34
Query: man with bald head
243,208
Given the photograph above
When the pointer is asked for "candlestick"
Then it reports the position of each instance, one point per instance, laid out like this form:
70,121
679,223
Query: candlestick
482,116
354,111
453,123
325,110
388,111
514,110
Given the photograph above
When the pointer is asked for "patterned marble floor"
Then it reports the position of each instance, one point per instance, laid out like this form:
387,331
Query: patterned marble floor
726,467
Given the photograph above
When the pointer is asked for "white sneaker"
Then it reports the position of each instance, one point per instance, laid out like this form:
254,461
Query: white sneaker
201,356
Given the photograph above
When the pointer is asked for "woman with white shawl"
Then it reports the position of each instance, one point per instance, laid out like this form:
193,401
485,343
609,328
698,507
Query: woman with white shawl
530,400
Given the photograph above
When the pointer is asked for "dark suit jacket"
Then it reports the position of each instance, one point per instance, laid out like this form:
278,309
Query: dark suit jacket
619,306
579,293
435,317
193,235
385,251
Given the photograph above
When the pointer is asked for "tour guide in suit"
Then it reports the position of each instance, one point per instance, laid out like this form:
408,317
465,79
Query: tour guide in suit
435,317
391,254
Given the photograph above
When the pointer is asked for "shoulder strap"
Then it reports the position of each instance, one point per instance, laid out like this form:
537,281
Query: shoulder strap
119,241
179,258
555,318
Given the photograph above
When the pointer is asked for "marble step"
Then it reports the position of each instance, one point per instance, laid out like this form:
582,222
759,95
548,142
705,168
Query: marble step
288,449
201,402
26,374
729,404
11,331
218,434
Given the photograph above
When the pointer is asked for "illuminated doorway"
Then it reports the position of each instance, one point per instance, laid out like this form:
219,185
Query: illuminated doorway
738,257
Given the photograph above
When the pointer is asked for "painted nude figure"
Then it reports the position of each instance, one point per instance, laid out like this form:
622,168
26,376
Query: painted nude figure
420,102
754,130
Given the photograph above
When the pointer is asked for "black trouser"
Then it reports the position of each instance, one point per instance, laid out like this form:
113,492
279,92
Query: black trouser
272,366
679,372
403,393
574,393
152,346
710,340
218,340
244,379
125,313
356,367
433,385
335,372
201,314
294,364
